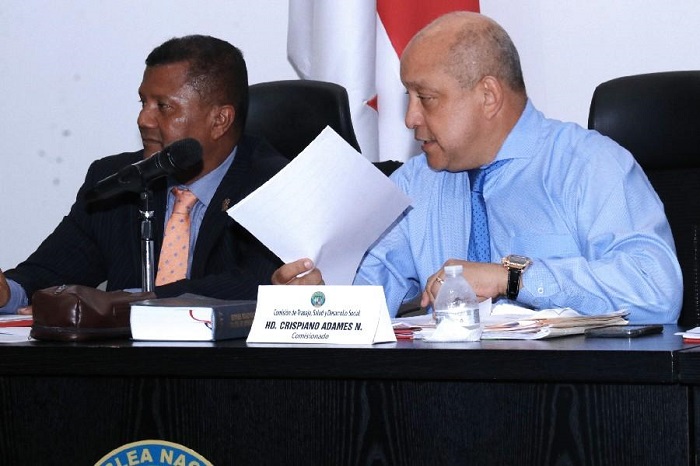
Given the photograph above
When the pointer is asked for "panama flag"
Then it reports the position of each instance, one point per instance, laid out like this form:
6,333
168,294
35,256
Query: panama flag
357,43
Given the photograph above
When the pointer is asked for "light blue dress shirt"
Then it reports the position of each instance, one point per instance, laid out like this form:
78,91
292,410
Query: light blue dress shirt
571,199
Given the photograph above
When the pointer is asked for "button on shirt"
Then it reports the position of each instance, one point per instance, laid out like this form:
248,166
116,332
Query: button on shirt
572,200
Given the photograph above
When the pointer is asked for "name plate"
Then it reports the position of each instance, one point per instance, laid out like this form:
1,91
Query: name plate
348,315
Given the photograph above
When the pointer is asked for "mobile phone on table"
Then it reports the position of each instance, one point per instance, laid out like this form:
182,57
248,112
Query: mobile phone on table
624,331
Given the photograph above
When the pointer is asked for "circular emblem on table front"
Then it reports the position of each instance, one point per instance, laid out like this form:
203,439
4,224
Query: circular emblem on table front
318,299
153,452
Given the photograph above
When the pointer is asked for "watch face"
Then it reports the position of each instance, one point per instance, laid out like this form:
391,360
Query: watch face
518,261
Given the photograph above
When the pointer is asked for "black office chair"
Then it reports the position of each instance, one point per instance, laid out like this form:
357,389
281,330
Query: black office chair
657,118
290,114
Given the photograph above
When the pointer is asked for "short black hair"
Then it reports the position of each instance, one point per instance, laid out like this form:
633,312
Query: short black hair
217,70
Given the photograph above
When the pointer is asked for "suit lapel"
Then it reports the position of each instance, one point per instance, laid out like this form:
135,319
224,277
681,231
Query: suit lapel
216,219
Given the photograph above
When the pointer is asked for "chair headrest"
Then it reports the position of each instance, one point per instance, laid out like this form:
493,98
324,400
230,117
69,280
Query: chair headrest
655,116
290,114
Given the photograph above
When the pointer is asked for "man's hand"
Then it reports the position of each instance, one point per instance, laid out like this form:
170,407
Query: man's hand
487,280
300,272
4,290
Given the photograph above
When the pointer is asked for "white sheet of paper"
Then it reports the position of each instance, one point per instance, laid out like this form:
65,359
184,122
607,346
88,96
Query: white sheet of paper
329,204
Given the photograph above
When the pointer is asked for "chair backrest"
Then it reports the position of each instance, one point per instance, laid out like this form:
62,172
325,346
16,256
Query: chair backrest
290,114
656,117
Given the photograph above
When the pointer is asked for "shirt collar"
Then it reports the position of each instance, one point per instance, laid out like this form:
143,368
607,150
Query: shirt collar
205,187
523,138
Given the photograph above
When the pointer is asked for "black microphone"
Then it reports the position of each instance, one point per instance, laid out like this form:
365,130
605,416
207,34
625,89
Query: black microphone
176,158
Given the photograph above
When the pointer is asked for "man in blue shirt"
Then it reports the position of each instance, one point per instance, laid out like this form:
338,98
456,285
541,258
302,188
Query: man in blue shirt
193,87
590,231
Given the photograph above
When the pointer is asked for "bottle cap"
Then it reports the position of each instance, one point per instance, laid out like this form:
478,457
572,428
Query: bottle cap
453,270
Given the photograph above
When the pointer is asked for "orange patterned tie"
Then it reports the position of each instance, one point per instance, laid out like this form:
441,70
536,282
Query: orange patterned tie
174,253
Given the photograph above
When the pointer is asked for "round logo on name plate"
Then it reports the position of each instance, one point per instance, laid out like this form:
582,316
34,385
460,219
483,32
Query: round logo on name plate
318,299
153,452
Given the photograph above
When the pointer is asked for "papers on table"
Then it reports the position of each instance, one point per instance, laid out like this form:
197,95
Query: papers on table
15,320
329,204
14,334
547,323
15,328
690,336
511,322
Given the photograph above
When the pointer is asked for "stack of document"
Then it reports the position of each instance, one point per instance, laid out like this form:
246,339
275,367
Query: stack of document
409,328
511,322
691,336
15,328
550,323
14,320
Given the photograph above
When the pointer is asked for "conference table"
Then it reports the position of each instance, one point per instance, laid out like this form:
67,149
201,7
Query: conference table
564,401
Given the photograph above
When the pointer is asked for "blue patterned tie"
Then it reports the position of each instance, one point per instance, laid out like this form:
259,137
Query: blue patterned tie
479,240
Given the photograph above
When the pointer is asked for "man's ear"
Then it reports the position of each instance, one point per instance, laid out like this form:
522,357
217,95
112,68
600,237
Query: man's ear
492,91
222,120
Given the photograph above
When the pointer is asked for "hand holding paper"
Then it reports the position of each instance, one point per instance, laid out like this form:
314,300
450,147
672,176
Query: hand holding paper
329,204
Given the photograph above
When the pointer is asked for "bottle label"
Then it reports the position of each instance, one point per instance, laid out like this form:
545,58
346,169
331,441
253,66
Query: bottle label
464,316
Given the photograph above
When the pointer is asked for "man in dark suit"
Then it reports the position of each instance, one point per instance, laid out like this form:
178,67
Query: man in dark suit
193,87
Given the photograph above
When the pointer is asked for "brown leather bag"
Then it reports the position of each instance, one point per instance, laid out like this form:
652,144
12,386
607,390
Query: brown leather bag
80,313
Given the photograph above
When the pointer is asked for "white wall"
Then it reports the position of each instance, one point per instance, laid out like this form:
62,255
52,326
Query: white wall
69,75
70,69
568,47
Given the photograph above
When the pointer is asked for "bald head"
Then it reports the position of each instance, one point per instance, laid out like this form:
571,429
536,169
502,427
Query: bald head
471,46
465,90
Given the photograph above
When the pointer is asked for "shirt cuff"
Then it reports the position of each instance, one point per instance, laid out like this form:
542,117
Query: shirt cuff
539,284
18,298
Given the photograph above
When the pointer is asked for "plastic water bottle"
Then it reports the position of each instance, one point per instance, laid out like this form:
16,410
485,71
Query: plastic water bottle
456,299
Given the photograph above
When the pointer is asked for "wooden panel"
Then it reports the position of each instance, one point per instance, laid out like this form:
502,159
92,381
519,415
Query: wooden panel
77,420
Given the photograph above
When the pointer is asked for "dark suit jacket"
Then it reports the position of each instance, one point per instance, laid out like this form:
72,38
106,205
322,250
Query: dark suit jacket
102,241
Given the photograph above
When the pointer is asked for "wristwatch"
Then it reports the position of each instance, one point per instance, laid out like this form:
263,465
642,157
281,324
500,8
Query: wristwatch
515,265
